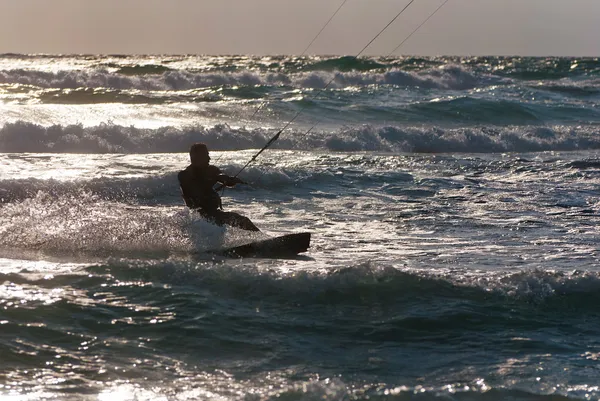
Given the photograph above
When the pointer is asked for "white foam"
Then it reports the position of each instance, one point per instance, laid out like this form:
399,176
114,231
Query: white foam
445,77
85,225
111,138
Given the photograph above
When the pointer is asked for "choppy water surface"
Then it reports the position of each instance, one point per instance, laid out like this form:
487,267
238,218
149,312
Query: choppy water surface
453,204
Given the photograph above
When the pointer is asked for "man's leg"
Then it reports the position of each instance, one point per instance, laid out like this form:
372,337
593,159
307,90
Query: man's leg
235,220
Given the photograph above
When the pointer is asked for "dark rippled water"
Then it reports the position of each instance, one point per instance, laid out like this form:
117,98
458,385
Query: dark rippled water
453,204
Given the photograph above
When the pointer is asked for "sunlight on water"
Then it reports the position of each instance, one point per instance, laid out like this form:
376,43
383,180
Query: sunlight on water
30,396
453,204
130,392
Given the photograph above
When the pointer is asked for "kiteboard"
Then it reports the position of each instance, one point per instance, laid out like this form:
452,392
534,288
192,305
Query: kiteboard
278,247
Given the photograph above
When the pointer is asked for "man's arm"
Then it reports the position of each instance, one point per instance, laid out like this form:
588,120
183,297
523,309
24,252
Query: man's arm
224,179
229,181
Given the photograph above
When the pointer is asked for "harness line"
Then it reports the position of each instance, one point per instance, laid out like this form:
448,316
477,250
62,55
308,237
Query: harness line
276,136
405,39
259,108
323,28
417,28
307,47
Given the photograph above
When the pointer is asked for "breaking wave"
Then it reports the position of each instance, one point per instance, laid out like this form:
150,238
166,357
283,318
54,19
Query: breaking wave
445,77
375,284
23,137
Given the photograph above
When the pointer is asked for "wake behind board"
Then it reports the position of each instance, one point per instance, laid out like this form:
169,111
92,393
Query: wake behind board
283,246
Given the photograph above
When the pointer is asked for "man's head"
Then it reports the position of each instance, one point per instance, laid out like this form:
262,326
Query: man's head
199,155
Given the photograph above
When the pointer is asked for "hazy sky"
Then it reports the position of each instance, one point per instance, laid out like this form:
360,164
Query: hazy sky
478,27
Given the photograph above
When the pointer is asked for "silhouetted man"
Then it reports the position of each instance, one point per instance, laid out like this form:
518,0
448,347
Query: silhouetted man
197,182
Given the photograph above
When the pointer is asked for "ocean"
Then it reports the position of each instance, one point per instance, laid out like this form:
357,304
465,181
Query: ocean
454,206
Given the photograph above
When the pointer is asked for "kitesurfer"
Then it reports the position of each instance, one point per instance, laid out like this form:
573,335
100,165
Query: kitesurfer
197,182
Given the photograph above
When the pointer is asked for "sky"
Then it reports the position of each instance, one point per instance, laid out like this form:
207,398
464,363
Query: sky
461,27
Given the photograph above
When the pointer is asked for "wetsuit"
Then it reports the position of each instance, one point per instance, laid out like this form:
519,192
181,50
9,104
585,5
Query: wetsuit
198,193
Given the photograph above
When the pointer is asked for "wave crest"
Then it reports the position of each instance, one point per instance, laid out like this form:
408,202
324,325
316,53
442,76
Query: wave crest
445,77
23,137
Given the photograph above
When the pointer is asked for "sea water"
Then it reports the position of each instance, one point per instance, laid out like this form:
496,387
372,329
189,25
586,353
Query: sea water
453,204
